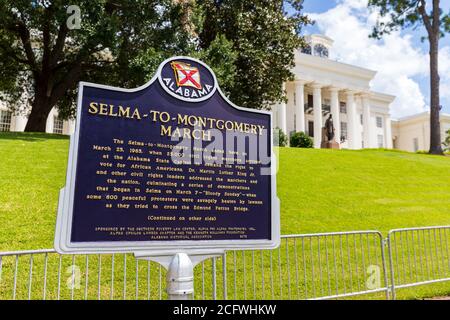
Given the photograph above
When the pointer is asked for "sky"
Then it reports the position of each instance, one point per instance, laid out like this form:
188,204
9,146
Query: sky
400,59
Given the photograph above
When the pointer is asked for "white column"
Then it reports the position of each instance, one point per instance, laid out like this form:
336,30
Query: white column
317,110
274,110
388,132
282,117
300,106
50,122
366,121
282,114
335,113
20,122
71,126
351,120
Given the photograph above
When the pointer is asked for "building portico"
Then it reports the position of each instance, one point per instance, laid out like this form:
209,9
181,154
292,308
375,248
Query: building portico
323,87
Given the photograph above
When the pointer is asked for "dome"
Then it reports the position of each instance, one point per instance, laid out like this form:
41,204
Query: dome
317,45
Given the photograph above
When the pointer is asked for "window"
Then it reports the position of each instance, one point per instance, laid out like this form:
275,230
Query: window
321,51
306,49
5,120
310,100
379,122
343,131
57,125
326,105
361,119
311,128
380,141
416,144
342,107
362,140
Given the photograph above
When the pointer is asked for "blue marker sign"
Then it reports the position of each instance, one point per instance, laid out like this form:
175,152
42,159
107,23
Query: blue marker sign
171,165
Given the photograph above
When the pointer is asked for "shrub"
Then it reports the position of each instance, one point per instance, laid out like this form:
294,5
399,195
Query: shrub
279,138
447,141
301,140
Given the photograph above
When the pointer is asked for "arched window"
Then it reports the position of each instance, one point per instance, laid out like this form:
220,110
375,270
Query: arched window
306,49
320,50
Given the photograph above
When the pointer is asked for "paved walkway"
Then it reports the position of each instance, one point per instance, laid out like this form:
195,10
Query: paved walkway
438,298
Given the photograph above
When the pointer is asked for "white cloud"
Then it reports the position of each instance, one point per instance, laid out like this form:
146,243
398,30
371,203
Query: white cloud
399,63
444,72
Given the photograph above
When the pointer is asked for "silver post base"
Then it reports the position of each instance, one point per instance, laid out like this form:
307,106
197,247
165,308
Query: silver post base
180,269
180,278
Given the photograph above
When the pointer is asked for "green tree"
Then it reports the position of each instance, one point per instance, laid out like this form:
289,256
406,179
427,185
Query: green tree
221,57
264,38
413,13
45,50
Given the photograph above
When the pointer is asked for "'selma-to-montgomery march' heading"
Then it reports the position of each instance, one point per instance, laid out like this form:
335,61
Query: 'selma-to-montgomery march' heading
199,124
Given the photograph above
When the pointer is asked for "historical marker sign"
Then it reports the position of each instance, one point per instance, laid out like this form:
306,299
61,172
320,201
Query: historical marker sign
170,165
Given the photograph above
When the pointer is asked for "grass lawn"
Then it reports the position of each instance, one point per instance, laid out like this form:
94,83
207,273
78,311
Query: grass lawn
329,190
32,170
320,191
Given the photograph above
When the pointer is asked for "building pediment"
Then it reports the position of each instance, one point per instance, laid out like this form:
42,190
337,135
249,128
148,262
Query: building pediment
314,68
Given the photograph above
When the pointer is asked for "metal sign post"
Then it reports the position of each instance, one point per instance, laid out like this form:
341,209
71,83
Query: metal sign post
180,271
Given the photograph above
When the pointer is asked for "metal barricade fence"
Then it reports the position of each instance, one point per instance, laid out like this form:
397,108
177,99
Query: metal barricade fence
310,266
418,256
327,265
306,266
44,274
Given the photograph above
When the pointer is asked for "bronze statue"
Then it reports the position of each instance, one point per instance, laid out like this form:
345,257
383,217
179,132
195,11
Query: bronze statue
329,128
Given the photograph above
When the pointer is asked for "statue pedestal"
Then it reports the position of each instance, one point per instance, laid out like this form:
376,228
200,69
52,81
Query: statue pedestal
329,145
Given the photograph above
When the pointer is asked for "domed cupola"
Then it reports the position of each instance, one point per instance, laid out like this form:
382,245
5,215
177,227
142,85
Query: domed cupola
318,45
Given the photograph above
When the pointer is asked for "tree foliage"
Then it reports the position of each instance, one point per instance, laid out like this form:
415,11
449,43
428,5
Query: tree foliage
249,44
221,57
264,37
408,14
43,57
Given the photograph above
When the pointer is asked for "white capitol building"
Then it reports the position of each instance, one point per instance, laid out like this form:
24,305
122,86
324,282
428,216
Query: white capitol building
360,115
322,86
